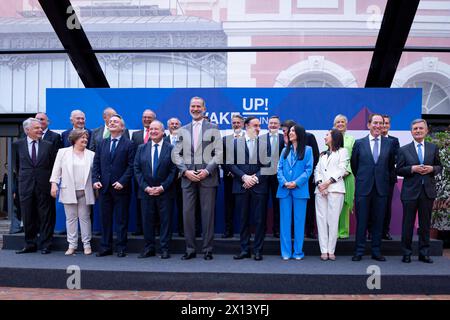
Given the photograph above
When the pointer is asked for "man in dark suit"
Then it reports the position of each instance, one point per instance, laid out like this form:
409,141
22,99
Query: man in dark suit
155,173
197,155
139,137
237,123
112,176
78,120
174,124
372,162
250,187
276,141
102,132
34,158
55,139
418,162
310,226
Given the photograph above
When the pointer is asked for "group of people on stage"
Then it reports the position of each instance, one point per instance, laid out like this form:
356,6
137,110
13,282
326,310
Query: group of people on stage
182,169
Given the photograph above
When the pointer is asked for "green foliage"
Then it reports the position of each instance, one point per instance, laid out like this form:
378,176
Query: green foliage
441,209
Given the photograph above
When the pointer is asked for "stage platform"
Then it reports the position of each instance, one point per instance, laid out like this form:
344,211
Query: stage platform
231,245
223,274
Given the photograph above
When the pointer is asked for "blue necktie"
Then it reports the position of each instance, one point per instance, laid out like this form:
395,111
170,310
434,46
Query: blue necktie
155,160
419,153
375,150
113,147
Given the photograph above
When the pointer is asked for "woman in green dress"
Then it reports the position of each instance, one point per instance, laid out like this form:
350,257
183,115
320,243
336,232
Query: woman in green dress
340,123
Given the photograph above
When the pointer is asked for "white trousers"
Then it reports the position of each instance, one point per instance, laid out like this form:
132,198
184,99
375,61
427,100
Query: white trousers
81,212
328,209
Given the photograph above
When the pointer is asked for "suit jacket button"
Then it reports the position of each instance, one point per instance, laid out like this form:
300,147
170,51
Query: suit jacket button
325,169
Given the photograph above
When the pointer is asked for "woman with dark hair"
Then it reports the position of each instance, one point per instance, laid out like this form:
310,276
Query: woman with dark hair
72,171
330,191
294,169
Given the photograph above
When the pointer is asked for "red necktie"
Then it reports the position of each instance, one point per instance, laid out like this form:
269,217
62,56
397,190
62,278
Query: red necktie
147,134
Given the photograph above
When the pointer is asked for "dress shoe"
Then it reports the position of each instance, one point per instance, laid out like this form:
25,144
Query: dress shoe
188,256
387,236
198,234
208,256
104,253
242,255
276,234
45,251
356,257
165,255
137,233
156,233
70,252
181,234
26,250
227,235
87,251
258,256
379,258
369,236
20,230
121,254
146,254
425,259
406,259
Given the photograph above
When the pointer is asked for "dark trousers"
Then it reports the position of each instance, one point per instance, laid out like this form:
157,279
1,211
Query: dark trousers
310,226
423,205
273,187
179,204
152,206
229,204
248,203
110,203
139,227
37,218
373,207
388,214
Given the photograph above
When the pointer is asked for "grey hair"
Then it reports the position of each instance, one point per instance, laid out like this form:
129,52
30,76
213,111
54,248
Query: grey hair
149,110
340,116
160,123
418,121
168,121
27,123
109,109
76,111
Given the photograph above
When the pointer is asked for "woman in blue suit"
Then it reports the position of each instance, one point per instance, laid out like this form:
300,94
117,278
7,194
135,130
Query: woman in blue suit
294,169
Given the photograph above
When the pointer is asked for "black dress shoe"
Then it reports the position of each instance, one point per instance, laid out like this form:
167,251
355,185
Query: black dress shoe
181,234
104,253
276,234
356,257
45,251
227,235
188,256
208,256
26,250
165,255
369,236
137,233
242,255
146,254
20,230
258,256
379,258
387,236
156,233
121,254
406,259
425,259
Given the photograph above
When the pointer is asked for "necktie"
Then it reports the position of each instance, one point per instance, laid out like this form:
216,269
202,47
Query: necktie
196,134
147,135
420,153
33,152
375,150
113,147
106,133
155,160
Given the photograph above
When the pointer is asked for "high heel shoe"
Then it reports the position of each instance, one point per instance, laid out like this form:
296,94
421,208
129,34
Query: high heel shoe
324,257
332,257
87,251
70,252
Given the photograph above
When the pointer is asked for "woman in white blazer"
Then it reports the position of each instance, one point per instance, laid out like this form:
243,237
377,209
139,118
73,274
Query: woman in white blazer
330,191
72,171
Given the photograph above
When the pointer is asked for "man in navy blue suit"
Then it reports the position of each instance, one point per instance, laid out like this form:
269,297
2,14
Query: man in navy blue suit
112,176
155,173
372,161
250,187
78,120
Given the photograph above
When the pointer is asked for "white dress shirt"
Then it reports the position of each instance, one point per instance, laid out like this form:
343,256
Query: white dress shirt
159,149
416,145
117,143
372,143
30,146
